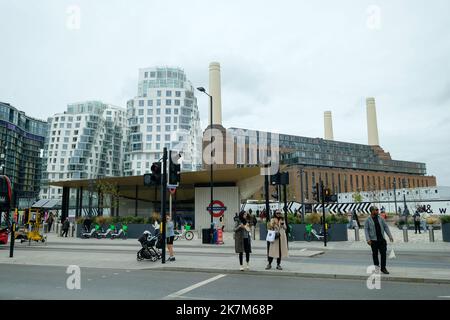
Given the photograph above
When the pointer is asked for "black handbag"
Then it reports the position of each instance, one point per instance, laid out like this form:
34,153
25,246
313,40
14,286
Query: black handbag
277,235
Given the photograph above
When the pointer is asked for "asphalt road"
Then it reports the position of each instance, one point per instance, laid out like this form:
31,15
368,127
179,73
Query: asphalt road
435,260
44,282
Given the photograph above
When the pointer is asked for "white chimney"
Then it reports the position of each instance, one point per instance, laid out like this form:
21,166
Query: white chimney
372,128
328,123
215,92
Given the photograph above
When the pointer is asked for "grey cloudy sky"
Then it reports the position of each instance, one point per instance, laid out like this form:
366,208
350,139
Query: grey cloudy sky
283,63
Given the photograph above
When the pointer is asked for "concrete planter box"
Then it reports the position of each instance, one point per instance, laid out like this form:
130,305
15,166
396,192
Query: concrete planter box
338,231
446,232
134,230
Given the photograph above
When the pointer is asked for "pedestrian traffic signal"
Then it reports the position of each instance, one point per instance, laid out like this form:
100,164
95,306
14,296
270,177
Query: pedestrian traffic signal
154,178
174,169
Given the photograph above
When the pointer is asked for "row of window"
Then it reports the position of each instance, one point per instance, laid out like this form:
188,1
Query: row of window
168,102
158,111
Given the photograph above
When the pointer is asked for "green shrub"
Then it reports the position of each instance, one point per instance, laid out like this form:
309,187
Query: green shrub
294,219
445,219
312,218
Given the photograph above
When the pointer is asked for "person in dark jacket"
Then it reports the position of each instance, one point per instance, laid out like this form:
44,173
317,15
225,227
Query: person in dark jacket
65,227
416,218
242,240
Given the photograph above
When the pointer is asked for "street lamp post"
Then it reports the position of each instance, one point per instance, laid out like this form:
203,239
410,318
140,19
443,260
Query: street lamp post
302,199
201,89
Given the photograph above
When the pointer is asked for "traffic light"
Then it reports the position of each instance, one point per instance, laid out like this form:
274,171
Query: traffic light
328,196
284,178
275,179
154,178
315,192
174,170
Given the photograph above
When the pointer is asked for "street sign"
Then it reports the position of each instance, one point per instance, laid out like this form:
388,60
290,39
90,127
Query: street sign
217,208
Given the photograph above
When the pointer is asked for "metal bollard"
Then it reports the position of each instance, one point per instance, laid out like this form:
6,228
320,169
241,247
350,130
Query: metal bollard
431,233
356,233
405,233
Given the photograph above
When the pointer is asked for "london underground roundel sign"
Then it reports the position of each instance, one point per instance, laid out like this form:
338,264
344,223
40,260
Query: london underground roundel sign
217,208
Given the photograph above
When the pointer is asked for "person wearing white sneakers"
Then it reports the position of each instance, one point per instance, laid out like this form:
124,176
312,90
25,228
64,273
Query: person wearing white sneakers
242,240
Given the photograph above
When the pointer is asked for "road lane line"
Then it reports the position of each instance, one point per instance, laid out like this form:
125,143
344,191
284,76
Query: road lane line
445,297
194,286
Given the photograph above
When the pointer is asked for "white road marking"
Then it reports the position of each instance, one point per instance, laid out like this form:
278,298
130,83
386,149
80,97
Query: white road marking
194,286
103,276
115,273
445,297
89,279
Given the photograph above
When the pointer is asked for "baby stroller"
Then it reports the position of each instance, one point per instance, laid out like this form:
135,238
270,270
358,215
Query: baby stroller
150,246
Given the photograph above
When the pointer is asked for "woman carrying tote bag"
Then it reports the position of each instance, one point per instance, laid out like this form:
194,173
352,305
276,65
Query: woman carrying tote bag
278,248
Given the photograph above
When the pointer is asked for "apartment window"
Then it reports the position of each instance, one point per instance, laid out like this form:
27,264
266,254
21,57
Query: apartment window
149,137
158,146
158,102
69,125
168,102
158,111
175,120
167,119
177,93
174,127
177,102
141,112
158,137
158,93
168,111
167,127
167,137
141,103
77,125
158,128
61,168
168,93
149,128
158,120
149,120
145,74
152,74
149,103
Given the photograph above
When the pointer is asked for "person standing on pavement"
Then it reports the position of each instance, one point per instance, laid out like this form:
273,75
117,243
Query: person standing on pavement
277,249
170,235
50,222
374,229
242,240
416,218
65,227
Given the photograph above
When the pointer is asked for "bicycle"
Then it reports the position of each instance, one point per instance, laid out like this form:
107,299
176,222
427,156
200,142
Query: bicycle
186,234
311,233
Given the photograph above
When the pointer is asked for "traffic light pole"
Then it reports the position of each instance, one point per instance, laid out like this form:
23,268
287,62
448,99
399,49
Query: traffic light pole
163,205
266,190
322,196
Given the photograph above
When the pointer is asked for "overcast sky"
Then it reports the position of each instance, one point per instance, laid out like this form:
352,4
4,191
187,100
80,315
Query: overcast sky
283,63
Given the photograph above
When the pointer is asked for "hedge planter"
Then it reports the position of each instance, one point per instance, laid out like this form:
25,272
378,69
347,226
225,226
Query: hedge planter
338,232
446,232
134,230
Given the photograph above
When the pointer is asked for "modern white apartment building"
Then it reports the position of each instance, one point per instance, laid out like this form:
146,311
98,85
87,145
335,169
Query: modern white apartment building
164,114
86,141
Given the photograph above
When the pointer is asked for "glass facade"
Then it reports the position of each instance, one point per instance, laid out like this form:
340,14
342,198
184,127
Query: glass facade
22,142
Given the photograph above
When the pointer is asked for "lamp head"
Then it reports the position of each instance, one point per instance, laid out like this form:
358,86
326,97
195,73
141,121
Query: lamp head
201,89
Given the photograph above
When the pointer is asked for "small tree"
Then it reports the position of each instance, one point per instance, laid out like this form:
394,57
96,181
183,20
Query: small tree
110,189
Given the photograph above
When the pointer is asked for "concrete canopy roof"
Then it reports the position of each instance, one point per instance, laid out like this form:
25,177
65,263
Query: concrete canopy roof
127,185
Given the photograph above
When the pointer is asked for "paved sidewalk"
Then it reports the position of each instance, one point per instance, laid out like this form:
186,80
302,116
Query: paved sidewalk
197,257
